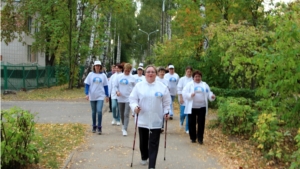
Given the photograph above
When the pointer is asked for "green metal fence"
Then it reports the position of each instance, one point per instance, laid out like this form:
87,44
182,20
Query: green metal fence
18,77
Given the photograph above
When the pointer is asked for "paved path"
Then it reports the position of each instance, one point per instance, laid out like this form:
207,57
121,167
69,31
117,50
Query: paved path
111,150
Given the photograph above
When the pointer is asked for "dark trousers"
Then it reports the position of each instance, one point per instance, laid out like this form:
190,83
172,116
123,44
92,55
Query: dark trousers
149,143
110,109
197,116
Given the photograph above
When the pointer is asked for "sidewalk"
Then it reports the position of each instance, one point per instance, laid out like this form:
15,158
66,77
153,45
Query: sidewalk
112,150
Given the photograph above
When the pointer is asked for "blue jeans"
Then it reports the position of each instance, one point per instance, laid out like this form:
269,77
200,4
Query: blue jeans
172,109
182,117
97,109
115,109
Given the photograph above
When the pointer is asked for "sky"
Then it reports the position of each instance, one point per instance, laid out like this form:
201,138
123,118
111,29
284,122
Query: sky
267,6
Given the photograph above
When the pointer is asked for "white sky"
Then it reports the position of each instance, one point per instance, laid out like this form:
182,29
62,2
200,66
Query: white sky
267,6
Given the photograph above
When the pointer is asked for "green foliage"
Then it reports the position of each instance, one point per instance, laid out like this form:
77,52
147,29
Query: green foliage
236,115
17,137
267,136
219,92
296,155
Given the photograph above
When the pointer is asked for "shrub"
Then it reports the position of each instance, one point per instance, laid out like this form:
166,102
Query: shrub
296,155
219,92
17,136
236,115
267,136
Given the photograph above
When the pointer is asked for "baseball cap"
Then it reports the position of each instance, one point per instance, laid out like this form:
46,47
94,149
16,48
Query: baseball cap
97,62
140,68
171,66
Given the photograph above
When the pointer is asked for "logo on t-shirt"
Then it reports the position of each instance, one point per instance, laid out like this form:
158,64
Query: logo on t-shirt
172,79
124,81
97,80
198,89
158,94
138,80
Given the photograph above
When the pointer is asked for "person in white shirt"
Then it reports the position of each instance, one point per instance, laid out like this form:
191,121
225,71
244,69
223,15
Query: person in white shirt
161,73
182,82
172,79
150,100
96,90
160,78
123,86
196,95
139,76
113,95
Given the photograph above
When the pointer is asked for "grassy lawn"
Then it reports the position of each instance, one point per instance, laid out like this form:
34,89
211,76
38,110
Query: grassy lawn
57,141
53,93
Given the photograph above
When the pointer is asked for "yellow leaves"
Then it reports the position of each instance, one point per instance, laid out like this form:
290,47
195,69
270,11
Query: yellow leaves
58,140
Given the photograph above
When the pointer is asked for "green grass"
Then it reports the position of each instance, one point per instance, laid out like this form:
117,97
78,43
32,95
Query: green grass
53,93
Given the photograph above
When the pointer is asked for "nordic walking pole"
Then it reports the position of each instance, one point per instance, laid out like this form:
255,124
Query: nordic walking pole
165,139
137,117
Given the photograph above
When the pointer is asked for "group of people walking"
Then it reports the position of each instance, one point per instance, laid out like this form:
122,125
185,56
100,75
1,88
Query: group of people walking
149,95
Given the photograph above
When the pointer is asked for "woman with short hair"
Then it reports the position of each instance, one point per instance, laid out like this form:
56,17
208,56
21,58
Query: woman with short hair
196,95
124,84
151,101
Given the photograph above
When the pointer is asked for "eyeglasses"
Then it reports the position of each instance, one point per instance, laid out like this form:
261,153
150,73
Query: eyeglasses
150,72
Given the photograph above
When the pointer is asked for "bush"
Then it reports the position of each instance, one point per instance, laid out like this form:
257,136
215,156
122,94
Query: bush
267,136
219,92
17,136
296,155
236,115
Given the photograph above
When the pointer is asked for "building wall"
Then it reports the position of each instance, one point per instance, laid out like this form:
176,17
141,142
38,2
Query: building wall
18,52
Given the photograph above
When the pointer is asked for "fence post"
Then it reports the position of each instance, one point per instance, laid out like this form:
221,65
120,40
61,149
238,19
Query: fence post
23,68
37,77
48,75
5,77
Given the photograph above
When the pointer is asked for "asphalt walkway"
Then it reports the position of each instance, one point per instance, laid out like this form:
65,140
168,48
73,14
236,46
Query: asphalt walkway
112,150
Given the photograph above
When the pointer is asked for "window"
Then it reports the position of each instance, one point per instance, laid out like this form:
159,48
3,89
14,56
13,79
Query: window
31,56
29,24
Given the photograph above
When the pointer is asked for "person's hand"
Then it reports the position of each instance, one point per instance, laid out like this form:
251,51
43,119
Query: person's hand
107,99
137,109
167,116
87,97
118,94
213,96
193,94
181,100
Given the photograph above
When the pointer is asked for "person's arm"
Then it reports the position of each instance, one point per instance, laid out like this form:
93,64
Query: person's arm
179,90
86,89
166,101
186,93
211,96
116,84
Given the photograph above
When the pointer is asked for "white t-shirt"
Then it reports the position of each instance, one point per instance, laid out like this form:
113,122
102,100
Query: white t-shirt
164,81
199,98
182,82
124,84
111,82
172,81
97,82
139,78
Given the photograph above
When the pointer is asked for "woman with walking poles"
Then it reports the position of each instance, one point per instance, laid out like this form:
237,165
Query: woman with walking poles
196,95
96,90
150,100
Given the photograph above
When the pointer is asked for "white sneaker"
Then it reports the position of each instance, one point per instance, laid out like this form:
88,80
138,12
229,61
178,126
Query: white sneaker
113,122
143,162
118,123
124,132
187,132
